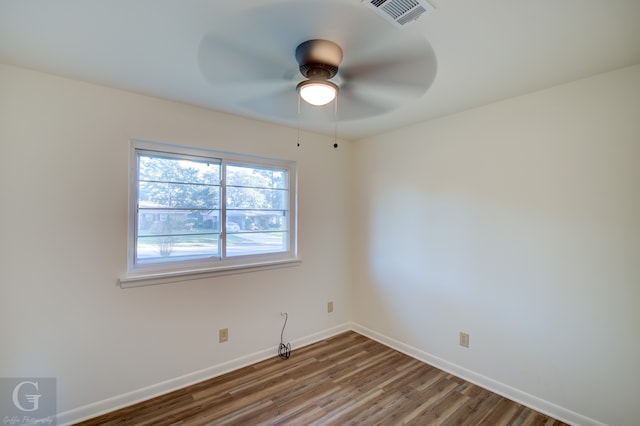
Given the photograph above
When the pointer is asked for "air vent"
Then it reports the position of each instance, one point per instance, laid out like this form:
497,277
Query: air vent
400,12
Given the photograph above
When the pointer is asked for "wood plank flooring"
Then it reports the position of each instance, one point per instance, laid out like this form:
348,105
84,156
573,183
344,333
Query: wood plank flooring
345,380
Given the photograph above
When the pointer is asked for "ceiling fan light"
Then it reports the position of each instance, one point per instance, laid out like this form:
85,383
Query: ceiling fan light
317,92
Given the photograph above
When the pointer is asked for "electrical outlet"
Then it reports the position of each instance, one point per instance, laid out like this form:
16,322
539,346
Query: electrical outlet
223,335
464,339
330,307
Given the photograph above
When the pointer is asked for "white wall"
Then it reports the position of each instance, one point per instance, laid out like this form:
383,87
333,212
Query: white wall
64,149
519,223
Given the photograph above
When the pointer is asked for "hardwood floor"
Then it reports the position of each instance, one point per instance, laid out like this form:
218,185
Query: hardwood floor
345,380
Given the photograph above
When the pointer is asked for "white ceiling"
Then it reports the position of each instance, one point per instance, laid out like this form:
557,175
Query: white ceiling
485,50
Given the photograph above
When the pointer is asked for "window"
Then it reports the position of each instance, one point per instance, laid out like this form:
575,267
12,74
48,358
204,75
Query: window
196,211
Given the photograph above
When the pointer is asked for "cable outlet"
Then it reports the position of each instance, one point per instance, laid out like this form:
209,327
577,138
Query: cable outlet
464,339
330,307
223,335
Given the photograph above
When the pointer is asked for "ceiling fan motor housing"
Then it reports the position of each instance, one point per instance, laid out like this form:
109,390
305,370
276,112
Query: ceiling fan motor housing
319,59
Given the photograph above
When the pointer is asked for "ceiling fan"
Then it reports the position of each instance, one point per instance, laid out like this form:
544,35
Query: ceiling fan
339,48
319,61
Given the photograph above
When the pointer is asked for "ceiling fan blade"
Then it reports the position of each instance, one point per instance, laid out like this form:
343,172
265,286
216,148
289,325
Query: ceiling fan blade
280,102
355,101
241,92
352,105
393,70
223,60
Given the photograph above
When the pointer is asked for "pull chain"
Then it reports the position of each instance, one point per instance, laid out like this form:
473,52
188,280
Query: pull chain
298,119
335,123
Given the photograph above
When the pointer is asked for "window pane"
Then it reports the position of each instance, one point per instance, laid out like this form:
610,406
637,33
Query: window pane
173,222
257,220
257,209
256,242
176,247
170,169
257,177
256,198
178,195
178,208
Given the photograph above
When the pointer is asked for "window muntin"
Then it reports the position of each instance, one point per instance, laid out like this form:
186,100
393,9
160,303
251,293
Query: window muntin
205,209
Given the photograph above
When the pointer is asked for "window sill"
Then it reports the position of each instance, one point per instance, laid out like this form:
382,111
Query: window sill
139,280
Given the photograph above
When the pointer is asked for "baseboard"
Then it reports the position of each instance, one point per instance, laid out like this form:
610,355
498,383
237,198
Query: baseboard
485,382
120,401
143,394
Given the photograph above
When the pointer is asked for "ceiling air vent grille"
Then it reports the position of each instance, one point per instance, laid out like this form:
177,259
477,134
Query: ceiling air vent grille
400,12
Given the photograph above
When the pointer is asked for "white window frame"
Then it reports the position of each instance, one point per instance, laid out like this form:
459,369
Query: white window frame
139,274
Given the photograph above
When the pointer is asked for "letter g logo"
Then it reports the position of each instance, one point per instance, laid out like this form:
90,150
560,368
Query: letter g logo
33,399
